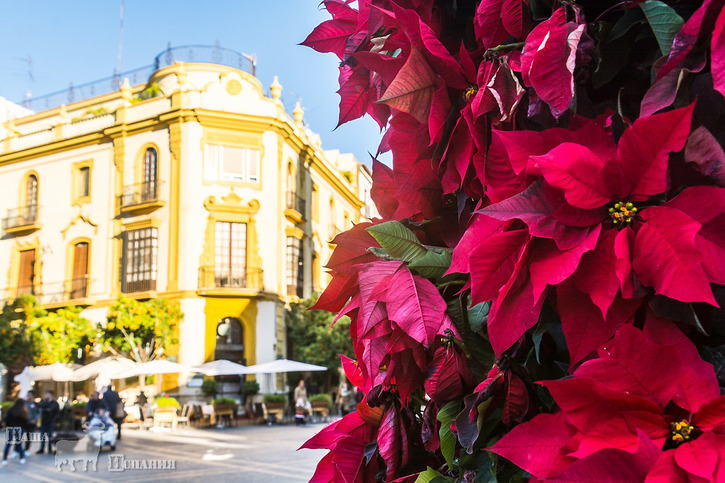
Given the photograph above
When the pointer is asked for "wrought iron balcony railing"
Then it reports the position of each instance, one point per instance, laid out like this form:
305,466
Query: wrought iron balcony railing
20,217
139,193
211,277
53,292
295,202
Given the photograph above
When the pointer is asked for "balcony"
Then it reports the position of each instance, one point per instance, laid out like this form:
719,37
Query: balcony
294,207
21,220
55,294
141,197
213,281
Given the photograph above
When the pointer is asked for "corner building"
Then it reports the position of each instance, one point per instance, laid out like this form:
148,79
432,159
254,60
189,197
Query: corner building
194,186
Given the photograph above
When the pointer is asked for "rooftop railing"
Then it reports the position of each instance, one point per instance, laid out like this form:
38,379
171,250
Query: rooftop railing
186,53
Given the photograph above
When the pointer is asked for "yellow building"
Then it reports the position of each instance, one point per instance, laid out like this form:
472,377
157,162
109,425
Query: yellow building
195,186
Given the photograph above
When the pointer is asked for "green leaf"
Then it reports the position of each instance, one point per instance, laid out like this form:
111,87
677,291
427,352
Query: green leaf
547,321
398,241
448,440
380,253
427,476
630,18
664,21
478,316
433,264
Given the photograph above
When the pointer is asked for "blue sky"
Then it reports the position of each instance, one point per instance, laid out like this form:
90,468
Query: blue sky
77,41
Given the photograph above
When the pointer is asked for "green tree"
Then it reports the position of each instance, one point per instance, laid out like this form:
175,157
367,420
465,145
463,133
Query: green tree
312,338
58,335
16,346
142,331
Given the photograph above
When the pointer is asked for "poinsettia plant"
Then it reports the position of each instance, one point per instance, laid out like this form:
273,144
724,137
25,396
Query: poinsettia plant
541,298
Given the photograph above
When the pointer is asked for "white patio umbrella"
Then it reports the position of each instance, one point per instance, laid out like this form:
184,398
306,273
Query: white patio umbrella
57,371
26,382
159,366
108,365
103,370
283,365
221,367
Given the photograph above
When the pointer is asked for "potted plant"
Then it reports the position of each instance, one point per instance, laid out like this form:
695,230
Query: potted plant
224,403
167,404
323,400
250,388
209,387
275,401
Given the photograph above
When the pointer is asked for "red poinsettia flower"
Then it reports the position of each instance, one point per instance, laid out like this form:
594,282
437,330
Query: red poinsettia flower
346,439
651,384
594,222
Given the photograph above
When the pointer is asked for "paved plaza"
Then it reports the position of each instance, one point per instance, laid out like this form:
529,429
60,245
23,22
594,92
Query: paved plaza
233,454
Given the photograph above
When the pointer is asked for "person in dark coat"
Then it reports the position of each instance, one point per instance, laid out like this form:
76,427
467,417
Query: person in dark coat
15,422
114,403
49,411
33,416
93,404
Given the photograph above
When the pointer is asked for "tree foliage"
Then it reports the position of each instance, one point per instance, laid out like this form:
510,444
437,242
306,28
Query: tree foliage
57,335
141,330
16,345
313,338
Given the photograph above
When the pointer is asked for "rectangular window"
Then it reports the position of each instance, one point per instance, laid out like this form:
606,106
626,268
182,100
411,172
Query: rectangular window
295,274
230,254
229,163
26,275
84,182
141,260
232,163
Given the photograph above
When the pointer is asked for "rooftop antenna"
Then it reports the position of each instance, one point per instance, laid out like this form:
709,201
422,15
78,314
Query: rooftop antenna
120,46
31,78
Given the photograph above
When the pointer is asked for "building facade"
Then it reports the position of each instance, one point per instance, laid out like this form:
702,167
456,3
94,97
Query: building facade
195,186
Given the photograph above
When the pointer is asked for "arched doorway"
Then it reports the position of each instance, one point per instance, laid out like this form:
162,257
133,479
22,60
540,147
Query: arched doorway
230,340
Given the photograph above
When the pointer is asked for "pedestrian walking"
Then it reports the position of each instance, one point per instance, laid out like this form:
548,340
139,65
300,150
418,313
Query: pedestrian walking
49,412
94,403
15,422
115,407
33,417
345,399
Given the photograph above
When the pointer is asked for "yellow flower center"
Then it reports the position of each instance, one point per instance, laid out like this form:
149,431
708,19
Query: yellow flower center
470,92
622,213
680,431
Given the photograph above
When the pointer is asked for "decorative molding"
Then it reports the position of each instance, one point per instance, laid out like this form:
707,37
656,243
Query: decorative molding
76,219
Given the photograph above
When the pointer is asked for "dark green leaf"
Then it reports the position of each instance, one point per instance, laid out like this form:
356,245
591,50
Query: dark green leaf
380,253
664,21
547,321
631,17
433,264
478,316
716,357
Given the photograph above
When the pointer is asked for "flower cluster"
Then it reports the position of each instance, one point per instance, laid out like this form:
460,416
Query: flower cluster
542,296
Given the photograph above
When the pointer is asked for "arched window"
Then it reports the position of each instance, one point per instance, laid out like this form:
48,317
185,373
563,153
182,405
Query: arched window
230,340
79,276
150,166
31,197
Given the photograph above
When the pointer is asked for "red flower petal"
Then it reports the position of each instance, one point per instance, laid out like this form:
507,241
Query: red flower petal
665,256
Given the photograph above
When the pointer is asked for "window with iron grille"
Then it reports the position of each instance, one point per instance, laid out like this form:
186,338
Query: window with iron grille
295,274
140,260
230,254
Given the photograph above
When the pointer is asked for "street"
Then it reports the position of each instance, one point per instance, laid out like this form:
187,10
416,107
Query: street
238,454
